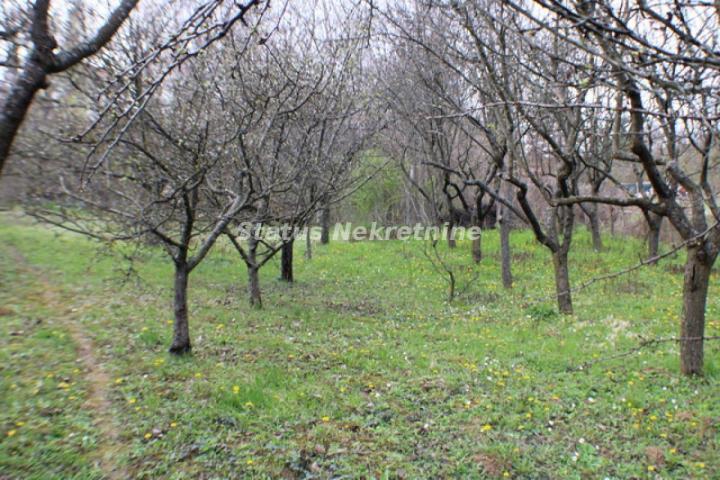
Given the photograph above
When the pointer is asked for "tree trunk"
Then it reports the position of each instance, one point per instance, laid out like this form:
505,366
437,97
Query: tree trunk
692,328
654,223
181,329
286,261
477,249
477,217
562,281
17,104
308,244
594,224
253,273
325,224
450,236
254,287
505,253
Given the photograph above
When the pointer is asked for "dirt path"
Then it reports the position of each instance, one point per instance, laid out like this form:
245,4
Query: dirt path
98,398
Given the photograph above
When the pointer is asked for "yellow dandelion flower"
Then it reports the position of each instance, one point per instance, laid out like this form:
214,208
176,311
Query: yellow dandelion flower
250,461
132,400
173,424
325,419
10,433
651,468
486,428
148,436
236,389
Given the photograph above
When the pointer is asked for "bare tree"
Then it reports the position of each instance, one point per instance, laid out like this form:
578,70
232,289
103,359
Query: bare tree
649,53
304,90
29,29
174,177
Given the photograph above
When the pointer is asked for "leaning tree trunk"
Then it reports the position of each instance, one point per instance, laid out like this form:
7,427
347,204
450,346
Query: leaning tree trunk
692,328
181,328
286,261
14,109
562,281
325,225
505,254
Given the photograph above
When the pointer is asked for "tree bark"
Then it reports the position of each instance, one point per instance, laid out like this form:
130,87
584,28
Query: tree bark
308,243
449,235
692,327
562,281
477,249
325,225
477,217
591,211
505,253
181,329
286,261
654,223
254,287
14,109
253,273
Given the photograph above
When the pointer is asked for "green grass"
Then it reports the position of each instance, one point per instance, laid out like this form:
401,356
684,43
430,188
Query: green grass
359,370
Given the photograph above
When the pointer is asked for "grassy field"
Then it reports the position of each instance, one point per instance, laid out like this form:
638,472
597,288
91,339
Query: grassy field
359,370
